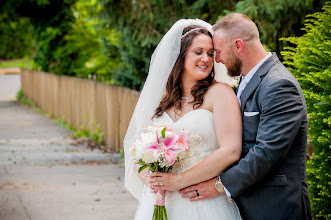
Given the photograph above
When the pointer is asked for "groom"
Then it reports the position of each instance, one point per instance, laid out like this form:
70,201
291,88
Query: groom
269,182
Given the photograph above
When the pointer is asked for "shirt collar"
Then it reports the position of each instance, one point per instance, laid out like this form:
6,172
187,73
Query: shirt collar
251,73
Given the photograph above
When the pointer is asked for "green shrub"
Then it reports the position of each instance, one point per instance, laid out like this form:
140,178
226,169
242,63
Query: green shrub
16,38
309,60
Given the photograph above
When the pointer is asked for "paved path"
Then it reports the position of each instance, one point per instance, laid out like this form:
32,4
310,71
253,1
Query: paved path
9,86
46,175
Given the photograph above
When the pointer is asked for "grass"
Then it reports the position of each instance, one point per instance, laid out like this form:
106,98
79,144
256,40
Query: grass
64,124
22,63
96,136
19,96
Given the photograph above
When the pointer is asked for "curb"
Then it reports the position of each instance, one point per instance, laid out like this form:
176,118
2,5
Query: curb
10,70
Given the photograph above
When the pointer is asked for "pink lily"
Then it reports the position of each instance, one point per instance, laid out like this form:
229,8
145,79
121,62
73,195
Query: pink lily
182,140
168,146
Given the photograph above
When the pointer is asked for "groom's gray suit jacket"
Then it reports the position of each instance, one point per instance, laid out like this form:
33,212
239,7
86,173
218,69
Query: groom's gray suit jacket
269,182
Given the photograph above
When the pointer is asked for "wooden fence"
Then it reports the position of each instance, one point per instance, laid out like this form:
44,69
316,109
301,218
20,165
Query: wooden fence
82,102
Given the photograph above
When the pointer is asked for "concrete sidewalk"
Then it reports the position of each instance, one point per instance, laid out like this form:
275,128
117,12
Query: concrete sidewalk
45,175
9,86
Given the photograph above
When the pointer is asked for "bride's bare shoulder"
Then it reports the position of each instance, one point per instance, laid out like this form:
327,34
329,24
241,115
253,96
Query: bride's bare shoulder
220,88
218,93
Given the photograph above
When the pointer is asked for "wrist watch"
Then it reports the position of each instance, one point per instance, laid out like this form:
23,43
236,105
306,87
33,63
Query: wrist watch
219,185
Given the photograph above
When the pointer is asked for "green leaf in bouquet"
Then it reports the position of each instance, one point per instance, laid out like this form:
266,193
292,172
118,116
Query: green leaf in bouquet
150,166
142,168
163,132
141,162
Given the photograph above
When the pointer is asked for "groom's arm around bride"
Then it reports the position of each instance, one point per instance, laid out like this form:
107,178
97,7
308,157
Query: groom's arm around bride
269,182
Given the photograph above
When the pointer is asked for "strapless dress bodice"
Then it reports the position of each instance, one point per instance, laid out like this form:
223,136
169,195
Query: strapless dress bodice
200,134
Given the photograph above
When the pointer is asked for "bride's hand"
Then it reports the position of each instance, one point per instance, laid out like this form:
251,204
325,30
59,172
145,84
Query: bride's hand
155,190
164,181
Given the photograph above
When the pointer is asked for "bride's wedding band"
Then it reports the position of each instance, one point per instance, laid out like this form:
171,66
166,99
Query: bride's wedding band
197,192
161,183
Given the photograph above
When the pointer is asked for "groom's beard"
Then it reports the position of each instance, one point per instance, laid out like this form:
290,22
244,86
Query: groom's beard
234,68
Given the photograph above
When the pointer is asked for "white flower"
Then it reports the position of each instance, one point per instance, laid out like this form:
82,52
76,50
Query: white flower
143,142
235,82
162,159
148,157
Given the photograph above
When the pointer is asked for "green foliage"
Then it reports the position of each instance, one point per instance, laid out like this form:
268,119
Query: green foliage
51,30
16,38
112,41
89,50
64,124
69,38
143,23
154,167
51,21
96,136
310,62
19,95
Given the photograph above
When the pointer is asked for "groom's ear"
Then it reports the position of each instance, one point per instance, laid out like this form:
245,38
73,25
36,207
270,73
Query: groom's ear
238,45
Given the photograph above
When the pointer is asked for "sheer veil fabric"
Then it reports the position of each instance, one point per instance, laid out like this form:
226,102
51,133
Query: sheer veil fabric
162,62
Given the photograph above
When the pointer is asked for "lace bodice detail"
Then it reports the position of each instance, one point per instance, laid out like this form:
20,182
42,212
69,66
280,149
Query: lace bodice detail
201,136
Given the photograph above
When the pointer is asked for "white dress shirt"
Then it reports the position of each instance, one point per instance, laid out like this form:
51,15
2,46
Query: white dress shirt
248,77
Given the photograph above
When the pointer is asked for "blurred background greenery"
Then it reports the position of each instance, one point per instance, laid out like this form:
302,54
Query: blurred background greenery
112,41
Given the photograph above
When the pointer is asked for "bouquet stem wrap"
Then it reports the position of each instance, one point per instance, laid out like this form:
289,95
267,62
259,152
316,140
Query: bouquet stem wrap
159,199
160,212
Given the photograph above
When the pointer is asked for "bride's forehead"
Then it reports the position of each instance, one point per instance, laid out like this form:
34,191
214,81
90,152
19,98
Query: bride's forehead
203,40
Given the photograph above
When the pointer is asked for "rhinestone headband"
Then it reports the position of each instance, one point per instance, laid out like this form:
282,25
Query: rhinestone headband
190,31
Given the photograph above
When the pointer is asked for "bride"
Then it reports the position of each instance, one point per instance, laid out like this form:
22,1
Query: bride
181,92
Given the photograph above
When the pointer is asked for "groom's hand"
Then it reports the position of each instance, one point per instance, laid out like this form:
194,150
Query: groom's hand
206,190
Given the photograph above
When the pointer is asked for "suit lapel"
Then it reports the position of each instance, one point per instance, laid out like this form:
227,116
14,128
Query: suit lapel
256,80
249,89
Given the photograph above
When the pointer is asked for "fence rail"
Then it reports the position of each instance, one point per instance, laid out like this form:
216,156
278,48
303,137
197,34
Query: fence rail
82,102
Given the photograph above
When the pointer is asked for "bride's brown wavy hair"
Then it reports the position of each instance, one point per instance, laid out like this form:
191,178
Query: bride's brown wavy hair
174,89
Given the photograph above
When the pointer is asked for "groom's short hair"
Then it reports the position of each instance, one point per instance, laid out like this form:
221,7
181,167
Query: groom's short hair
237,25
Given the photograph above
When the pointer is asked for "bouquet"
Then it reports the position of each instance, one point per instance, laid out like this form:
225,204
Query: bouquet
158,148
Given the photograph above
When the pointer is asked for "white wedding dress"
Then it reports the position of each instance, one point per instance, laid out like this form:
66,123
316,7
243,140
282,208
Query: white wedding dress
202,140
